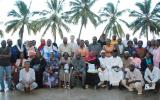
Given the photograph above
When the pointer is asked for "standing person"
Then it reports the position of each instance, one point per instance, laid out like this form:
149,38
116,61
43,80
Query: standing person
86,42
47,50
17,50
141,52
125,42
55,51
5,68
38,63
95,46
102,40
148,47
156,54
153,45
135,42
65,47
120,47
9,43
82,49
31,50
72,44
133,79
34,45
43,43
130,47
78,41
152,76
114,40
108,48
26,78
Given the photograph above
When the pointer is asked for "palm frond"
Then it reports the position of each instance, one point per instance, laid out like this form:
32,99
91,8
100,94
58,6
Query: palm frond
22,7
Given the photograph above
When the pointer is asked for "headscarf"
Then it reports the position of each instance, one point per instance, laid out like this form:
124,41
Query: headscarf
43,42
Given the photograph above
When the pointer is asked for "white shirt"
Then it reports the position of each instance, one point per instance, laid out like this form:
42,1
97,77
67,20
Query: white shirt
103,62
65,48
46,52
73,46
114,61
121,48
135,75
125,43
27,76
154,75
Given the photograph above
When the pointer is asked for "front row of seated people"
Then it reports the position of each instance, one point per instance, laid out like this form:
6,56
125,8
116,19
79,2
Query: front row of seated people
92,71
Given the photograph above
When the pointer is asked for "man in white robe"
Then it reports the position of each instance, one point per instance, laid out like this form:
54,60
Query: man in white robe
114,65
103,70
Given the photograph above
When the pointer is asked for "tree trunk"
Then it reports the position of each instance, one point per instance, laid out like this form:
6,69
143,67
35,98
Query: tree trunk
147,33
80,31
21,35
55,38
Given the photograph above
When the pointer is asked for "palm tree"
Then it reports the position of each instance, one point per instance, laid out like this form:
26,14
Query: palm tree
21,20
145,18
81,11
111,16
53,19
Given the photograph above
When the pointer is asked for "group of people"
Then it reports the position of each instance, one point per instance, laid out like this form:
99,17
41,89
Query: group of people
102,63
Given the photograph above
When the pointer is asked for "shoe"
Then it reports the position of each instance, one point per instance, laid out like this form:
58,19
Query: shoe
86,86
100,83
83,87
109,87
130,90
140,93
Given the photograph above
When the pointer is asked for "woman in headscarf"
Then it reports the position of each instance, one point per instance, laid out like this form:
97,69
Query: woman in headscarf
43,43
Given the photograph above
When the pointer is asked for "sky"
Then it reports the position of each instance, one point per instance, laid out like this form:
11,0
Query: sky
87,33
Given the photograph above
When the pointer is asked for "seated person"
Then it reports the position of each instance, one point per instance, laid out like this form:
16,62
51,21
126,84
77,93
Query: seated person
79,69
65,68
103,71
38,63
26,78
50,75
147,59
133,79
152,76
16,68
92,78
115,65
126,61
136,60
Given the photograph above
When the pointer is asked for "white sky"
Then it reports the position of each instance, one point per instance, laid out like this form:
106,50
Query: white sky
87,34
